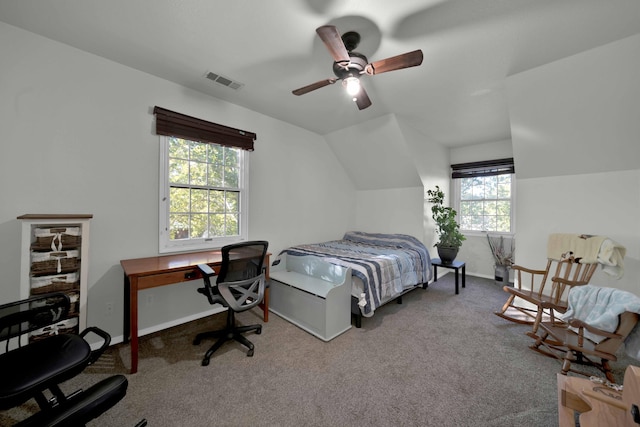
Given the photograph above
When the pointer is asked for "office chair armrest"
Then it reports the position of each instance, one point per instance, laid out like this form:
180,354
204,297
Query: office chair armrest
206,270
95,354
207,274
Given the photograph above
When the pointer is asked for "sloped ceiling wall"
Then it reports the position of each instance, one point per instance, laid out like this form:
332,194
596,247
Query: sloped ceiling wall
375,155
430,159
387,152
579,114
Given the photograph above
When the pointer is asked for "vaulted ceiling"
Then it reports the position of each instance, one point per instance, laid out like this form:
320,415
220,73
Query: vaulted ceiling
455,98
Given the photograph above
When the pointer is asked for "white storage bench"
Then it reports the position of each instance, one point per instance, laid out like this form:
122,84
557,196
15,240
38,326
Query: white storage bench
312,294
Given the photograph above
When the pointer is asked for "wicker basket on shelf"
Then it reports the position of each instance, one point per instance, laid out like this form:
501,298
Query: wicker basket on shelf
48,263
56,239
57,283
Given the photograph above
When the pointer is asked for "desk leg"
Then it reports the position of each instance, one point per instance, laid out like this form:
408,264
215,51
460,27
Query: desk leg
456,281
127,317
264,305
132,311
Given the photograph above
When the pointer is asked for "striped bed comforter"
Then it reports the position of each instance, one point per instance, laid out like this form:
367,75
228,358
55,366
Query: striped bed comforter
387,264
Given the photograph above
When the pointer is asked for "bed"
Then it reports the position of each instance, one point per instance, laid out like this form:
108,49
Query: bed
383,266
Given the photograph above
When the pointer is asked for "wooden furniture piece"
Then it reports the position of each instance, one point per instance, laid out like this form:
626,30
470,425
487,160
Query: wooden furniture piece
55,258
312,294
532,287
599,404
455,265
559,341
239,286
151,272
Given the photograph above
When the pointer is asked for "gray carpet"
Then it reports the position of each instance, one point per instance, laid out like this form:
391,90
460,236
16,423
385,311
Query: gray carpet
438,359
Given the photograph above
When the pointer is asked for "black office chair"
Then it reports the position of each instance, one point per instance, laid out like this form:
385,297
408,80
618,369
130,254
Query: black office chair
34,365
240,285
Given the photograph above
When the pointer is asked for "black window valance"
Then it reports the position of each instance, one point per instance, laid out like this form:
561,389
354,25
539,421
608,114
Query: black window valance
484,168
179,125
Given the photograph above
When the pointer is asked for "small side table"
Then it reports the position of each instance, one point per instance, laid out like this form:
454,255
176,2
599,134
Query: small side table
456,265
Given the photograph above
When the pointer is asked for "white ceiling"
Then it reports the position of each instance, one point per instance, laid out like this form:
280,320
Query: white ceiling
455,98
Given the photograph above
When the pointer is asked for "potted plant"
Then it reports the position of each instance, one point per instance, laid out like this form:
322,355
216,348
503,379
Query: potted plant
502,255
447,228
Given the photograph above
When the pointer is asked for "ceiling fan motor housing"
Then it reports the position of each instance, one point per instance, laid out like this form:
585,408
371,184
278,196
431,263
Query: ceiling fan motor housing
357,62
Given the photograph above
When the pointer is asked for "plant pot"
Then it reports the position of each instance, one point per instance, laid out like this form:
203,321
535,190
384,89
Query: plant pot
501,275
447,254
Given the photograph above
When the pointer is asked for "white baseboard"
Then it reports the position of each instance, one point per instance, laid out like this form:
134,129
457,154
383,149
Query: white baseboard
484,276
155,328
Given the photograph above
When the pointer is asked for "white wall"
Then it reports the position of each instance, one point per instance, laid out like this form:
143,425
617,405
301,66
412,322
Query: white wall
605,203
575,138
491,150
375,154
398,210
579,114
77,137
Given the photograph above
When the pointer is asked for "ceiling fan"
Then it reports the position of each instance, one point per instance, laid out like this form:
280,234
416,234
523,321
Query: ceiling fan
349,65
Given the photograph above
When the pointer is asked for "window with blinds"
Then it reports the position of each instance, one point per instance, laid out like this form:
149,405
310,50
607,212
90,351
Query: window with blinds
204,176
485,195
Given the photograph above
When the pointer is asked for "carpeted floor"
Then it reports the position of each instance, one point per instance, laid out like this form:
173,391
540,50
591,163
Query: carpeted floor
438,359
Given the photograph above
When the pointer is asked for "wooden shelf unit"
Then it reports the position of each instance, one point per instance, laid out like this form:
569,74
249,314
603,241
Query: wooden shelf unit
55,257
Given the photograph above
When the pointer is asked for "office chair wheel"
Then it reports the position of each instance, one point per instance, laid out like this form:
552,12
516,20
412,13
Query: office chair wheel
259,330
250,353
196,341
205,361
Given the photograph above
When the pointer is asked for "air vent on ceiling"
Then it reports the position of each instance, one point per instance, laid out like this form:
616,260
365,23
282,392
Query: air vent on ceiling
224,81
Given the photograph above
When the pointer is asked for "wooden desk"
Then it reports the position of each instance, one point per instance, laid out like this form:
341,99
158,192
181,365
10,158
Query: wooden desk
145,273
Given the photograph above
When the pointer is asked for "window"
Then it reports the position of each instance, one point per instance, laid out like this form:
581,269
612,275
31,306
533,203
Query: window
485,196
204,176
203,200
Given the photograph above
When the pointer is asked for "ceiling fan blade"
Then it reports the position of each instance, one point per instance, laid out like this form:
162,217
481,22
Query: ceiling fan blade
314,86
362,99
331,38
406,60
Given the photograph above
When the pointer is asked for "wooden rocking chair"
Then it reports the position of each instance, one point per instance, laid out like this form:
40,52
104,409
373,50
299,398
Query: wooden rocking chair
571,346
551,285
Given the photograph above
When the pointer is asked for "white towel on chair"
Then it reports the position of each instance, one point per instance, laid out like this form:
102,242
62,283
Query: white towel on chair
611,258
600,249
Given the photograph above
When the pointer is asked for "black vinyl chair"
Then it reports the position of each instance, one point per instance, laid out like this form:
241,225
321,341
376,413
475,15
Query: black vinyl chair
240,286
36,359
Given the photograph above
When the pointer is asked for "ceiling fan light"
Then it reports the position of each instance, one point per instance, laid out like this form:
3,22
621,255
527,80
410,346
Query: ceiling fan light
352,85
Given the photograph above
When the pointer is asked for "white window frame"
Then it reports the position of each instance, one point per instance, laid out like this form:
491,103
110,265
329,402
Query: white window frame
166,245
455,185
